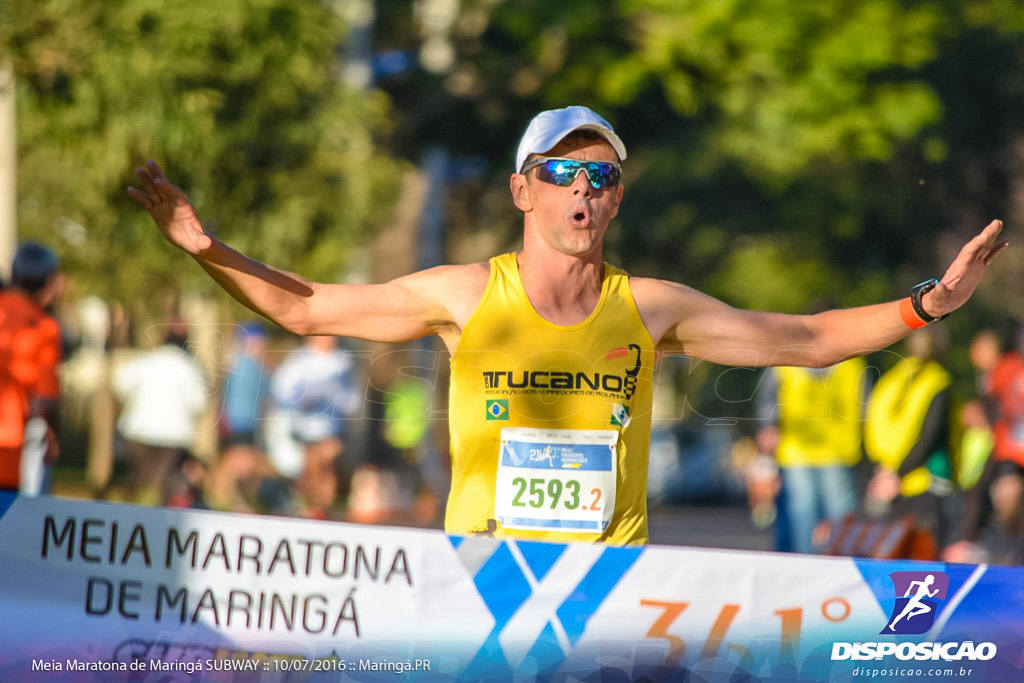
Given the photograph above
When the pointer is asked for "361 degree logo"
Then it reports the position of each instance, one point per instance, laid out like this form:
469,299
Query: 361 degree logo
918,595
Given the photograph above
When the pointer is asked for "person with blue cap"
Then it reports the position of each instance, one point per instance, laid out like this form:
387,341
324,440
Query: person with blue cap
553,349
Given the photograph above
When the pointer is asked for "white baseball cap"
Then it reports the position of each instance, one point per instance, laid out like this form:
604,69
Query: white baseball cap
549,127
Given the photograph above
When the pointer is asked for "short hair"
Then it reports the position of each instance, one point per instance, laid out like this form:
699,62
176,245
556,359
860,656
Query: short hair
33,266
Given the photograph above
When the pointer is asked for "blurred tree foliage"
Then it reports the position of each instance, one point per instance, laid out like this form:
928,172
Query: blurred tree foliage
781,153
238,100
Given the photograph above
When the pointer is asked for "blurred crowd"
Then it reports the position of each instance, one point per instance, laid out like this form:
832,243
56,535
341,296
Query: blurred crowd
295,427
883,460
215,416
291,427
890,462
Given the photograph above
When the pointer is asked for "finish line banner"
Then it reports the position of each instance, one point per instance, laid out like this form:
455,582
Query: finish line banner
110,592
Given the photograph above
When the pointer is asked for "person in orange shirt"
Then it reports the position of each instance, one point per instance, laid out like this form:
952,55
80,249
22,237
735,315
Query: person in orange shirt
30,354
1005,475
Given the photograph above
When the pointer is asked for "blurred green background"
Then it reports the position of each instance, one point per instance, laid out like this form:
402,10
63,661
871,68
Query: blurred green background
781,154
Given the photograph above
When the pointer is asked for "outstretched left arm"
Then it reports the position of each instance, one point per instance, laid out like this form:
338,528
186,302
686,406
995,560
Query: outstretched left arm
683,320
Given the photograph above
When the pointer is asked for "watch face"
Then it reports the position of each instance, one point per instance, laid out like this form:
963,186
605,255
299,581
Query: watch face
919,291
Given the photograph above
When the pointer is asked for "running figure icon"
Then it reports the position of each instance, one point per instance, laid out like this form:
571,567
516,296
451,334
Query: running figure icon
541,456
915,606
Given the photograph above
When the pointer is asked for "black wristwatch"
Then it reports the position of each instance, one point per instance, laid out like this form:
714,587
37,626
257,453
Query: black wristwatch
916,293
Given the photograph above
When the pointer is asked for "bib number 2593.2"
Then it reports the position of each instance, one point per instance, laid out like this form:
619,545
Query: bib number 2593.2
556,479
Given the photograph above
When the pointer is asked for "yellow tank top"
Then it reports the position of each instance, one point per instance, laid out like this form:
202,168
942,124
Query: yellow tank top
895,416
820,415
550,424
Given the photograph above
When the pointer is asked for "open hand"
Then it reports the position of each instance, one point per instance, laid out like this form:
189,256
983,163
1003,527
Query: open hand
170,209
966,271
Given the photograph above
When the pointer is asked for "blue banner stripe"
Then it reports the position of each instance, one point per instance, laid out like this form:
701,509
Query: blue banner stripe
489,664
540,556
576,611
504,589
546,652
7,499
502,586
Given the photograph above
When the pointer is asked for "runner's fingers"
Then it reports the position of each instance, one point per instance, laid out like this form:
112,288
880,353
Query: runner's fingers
169,192
141,197
156,184
986,239
154,170
146,180
988,245
995,251
982,248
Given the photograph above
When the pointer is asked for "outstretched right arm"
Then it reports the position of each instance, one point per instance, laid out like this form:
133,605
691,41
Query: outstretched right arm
405,308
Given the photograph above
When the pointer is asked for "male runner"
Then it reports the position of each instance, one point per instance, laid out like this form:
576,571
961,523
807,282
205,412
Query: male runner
553,349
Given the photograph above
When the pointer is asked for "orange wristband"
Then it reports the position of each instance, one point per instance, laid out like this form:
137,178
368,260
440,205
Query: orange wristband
908,316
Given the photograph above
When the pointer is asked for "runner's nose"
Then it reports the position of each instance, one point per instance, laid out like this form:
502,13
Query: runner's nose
581,184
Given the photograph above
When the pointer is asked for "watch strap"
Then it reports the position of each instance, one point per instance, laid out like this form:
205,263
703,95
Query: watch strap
917,292
909,316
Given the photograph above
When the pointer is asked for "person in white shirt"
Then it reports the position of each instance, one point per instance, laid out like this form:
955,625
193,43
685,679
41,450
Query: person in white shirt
313,395
163,397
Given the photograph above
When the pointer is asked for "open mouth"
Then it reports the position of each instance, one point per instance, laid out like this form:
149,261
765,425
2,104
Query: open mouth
580,216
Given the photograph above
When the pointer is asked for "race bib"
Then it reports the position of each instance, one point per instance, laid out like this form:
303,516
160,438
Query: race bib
556,479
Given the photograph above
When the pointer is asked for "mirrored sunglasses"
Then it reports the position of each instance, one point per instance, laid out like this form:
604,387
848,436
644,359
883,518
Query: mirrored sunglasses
562,172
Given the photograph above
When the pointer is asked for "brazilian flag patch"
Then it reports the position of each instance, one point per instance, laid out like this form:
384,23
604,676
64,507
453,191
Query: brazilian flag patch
497,409
620,415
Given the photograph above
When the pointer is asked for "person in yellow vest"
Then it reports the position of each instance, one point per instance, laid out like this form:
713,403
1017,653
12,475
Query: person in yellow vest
814,432
553,350
907,435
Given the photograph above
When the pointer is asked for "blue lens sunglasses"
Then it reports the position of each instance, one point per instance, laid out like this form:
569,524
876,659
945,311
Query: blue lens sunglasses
562,172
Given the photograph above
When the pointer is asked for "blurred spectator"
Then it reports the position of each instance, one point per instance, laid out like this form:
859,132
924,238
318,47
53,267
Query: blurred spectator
163,396
245,387
985,351
761,478
816,441
976,442
405,481
188,483
243,480
993,510
313,397
906,433
974,467
977,439
30,355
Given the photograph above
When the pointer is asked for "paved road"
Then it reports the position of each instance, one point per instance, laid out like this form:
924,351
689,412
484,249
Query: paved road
709,526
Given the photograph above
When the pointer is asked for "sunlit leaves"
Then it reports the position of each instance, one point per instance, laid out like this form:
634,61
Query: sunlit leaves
239,100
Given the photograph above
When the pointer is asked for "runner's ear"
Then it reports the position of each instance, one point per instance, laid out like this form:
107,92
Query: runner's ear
520,188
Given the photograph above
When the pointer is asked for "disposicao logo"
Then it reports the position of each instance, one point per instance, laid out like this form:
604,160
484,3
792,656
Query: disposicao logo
918,598
915,611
